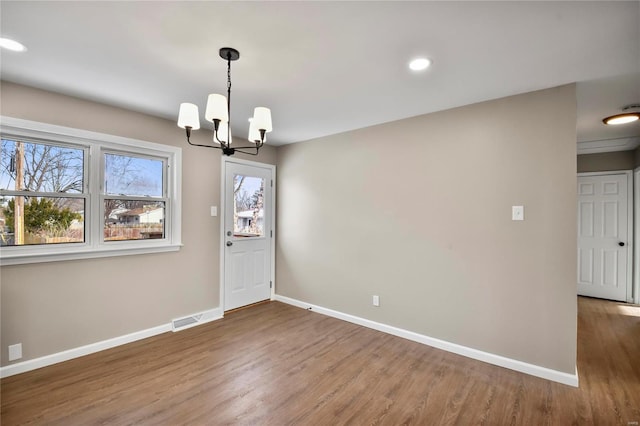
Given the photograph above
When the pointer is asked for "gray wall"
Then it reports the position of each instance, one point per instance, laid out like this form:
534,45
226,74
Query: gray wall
51,307
418,211
606,161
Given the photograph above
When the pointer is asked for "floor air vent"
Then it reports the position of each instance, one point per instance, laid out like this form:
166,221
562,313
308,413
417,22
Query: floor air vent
186,322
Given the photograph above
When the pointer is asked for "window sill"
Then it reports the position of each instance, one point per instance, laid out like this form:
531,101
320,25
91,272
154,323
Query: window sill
7,259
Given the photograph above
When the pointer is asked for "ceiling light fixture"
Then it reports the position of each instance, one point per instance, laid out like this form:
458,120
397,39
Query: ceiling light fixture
419,64
12,45
625,117
218,112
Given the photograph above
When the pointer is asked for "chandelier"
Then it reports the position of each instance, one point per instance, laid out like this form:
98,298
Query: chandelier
218,112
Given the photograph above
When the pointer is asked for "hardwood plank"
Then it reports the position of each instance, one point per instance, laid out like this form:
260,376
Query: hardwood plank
274,364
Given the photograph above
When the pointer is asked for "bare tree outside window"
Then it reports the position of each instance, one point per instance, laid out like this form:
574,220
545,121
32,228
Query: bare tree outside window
49,172
248,206
135,176
132,186
46,168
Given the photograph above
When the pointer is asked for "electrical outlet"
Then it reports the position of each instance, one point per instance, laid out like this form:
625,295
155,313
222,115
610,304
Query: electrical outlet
376,300
15,351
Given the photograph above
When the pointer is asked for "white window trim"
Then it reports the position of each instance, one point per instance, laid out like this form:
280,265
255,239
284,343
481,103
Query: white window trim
94,247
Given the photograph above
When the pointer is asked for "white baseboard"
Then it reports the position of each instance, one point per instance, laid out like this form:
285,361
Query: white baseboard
523,367
32,364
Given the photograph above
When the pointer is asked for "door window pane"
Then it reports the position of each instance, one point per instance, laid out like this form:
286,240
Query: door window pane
133,220
133,176
41,220
248,206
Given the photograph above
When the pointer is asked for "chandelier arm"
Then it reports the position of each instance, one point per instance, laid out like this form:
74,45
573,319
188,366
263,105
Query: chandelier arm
205,146
216,127
246,147
224,146
245,152
216,138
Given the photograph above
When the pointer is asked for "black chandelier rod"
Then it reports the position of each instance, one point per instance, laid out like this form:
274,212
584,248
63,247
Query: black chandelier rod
228,98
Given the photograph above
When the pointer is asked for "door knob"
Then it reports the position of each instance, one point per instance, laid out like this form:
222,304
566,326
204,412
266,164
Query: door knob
621,244
229,243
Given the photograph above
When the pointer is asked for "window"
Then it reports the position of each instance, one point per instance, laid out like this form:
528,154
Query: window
133,197
43,193
68,194
248,206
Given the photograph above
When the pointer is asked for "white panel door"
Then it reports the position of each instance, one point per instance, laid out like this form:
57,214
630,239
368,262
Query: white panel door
603,249
247,234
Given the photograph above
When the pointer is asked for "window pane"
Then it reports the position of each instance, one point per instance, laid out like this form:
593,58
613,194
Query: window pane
43,167
133,220
133,176
41,220
248,206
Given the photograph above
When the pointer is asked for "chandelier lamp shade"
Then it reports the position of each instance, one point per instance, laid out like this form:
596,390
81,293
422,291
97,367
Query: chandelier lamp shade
218,111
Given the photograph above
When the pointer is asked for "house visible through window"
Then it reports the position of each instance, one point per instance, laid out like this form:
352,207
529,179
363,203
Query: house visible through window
67,193
134,200
248,206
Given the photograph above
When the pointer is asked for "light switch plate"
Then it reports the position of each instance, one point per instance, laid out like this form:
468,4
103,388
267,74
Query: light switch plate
214,210
517,212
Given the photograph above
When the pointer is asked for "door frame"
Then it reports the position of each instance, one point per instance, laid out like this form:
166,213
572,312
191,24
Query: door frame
631,257
223,195
636,252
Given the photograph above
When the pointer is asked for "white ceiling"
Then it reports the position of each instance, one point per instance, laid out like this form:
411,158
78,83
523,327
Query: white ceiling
328,67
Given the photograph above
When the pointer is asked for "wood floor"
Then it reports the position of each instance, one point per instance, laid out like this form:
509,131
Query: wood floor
275,364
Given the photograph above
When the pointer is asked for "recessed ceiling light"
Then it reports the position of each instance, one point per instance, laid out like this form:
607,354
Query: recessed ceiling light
622,118
9,44
625,117
419,64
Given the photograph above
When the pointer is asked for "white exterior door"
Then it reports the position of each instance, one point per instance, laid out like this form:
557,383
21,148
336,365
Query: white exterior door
248,212
603,236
